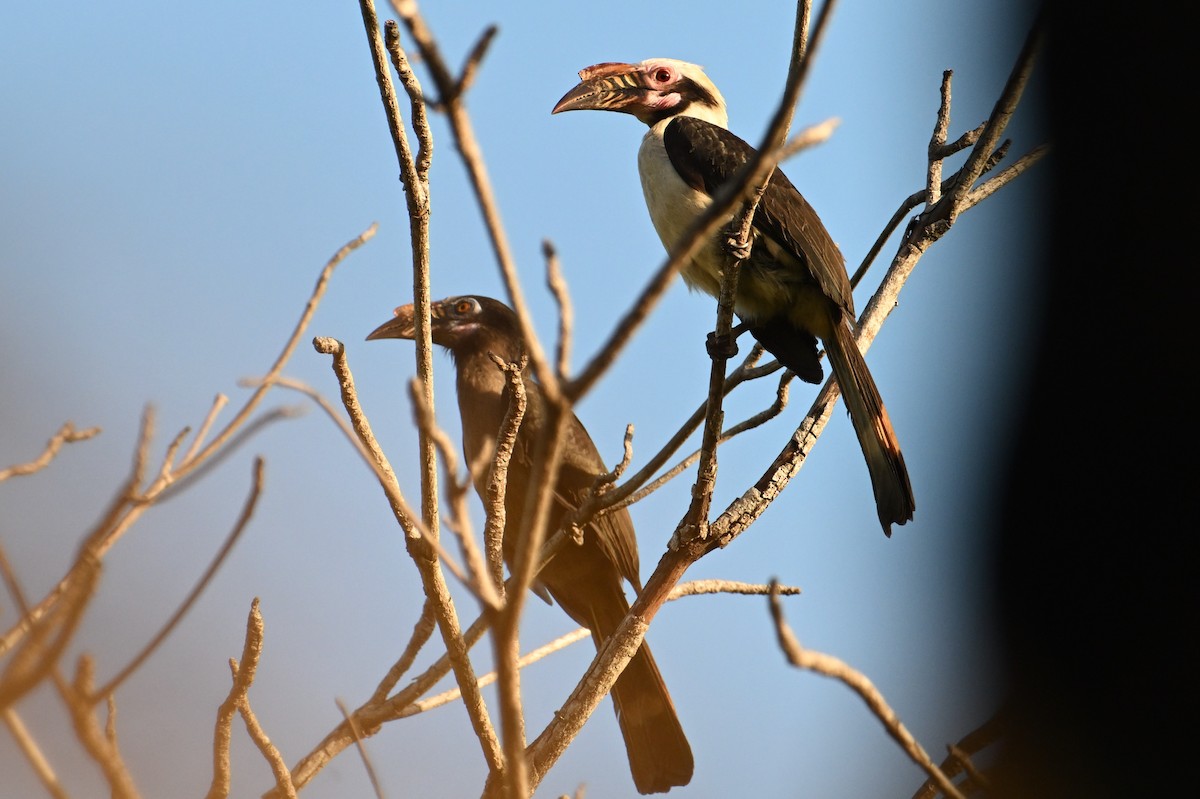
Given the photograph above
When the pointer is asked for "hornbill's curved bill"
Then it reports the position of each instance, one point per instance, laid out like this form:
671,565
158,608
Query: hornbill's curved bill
585,580
793,289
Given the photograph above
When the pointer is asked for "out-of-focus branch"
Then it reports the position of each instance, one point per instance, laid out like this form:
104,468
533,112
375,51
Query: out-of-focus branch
48,635
99,742
67,434
958,760
361,746
219,403
289,347
131,500
830,666
33,754
557,284
247,512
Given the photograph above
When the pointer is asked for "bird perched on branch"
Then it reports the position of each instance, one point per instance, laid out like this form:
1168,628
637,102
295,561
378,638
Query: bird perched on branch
585,580
793,288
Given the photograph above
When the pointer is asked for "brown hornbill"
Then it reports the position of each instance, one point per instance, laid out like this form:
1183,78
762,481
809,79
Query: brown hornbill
793,289
586,579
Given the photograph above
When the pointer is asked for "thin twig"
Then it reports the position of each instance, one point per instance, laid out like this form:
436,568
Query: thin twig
219,402
283,778
833,667
751,422
33,754
422,631
557,284
95,740
243,675
247,512
558,644
958,759
946,210
475,577
498,464
362,750
289,347
67,434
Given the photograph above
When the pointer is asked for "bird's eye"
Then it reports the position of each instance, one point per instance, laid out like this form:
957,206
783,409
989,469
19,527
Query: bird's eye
465,306
662,75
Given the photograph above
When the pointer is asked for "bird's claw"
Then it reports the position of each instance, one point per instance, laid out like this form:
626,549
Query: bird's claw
738,248
721,346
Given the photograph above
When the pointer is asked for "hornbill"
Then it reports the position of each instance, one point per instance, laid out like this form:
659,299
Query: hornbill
585,580
793,288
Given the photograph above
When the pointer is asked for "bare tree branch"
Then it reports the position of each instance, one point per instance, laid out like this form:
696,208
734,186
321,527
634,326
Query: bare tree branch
958,761
247,512
362,750
497,481
424,556
750,189
451,103
33,754
67,434
131,501
422,631
744,510
283,779
99,743
476,575
830,666
243,675
557,284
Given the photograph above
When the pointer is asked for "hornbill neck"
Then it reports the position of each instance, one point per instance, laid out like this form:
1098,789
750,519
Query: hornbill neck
476,371
713,114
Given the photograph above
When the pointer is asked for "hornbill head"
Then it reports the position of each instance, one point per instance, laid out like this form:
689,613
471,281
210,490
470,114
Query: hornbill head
469,323
652,91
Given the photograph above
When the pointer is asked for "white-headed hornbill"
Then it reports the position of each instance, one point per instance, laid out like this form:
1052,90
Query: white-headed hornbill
585,580
793,289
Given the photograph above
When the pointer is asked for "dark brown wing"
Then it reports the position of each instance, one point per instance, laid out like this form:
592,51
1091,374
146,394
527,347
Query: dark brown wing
611,537
707,156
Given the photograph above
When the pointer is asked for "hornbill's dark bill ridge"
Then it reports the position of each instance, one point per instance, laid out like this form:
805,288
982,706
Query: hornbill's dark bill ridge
793,289
584,579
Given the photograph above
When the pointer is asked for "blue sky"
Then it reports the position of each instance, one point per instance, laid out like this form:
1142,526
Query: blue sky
172,187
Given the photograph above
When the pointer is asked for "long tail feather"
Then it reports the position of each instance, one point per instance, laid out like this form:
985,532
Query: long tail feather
889,476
